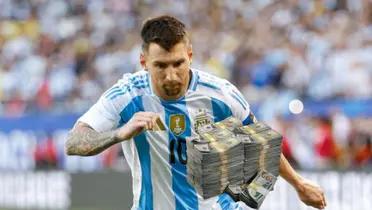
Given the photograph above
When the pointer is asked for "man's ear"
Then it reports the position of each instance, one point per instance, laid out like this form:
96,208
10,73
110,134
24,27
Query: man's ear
189,52
143,61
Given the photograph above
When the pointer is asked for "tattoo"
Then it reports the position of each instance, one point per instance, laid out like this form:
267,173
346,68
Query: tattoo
87,142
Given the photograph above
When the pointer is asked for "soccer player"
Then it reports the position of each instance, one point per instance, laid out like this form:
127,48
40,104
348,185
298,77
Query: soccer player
181,97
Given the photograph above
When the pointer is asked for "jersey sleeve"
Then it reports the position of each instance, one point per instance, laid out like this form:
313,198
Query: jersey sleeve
239,106
104,115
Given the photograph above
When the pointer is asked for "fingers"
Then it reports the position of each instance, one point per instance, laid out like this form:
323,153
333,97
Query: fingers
312,194
324,204
324,200
316,204
148,114
321,199
149,118
318,201
145,123
141,124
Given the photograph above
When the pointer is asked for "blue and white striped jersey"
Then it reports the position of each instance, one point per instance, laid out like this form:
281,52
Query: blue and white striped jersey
158,158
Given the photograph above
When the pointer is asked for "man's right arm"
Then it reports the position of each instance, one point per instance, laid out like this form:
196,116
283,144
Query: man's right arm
83,140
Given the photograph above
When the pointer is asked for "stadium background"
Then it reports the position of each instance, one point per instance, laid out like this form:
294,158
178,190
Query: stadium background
304,66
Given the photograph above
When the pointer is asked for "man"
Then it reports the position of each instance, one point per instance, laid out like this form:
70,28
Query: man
182,98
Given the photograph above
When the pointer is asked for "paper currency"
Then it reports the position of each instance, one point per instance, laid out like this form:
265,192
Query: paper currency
254,193
240,160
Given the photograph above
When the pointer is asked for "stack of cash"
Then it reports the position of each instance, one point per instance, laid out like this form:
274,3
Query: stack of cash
229,123
269,158
215,159
234,190
227,156
253,194
262,149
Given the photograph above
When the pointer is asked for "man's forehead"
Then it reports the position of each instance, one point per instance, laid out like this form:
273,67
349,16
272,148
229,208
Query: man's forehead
167,60
155,49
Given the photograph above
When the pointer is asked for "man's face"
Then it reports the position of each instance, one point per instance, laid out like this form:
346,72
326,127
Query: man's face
169,70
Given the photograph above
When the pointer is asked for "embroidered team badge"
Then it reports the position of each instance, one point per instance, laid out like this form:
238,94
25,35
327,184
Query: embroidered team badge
177,123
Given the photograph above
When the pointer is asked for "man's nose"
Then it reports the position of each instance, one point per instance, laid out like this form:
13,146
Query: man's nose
171,74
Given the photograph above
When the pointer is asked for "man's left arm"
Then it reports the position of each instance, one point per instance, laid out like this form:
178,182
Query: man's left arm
310,193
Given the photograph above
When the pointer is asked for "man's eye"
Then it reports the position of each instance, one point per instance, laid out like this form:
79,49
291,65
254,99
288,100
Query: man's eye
177,64
161,65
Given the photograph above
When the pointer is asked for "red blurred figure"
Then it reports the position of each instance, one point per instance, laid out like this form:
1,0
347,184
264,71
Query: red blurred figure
325,146
46,154
43,98
286,148
363,150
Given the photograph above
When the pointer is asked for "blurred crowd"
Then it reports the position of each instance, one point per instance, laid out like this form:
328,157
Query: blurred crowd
335,142
60,55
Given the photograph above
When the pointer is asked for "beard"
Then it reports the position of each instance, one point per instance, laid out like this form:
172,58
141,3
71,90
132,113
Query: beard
172,90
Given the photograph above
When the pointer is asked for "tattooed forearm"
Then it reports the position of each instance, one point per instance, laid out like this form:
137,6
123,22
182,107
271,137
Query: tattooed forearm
86,141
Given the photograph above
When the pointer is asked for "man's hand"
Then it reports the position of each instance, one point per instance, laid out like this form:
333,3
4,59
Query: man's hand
139,122
311,194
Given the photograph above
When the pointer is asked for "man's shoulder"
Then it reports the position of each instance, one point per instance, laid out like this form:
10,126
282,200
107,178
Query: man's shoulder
130,84
220,88
210,80
135,78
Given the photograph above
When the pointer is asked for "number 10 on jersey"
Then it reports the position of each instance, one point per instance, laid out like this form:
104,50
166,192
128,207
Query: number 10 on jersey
177,151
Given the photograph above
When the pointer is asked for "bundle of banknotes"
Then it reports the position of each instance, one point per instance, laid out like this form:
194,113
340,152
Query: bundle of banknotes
254,193
262,149
215,158
229,157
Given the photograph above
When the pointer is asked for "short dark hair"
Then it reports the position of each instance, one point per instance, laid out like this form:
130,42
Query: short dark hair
165,31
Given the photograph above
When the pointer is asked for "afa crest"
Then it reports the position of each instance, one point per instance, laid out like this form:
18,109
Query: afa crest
177,123
202,118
